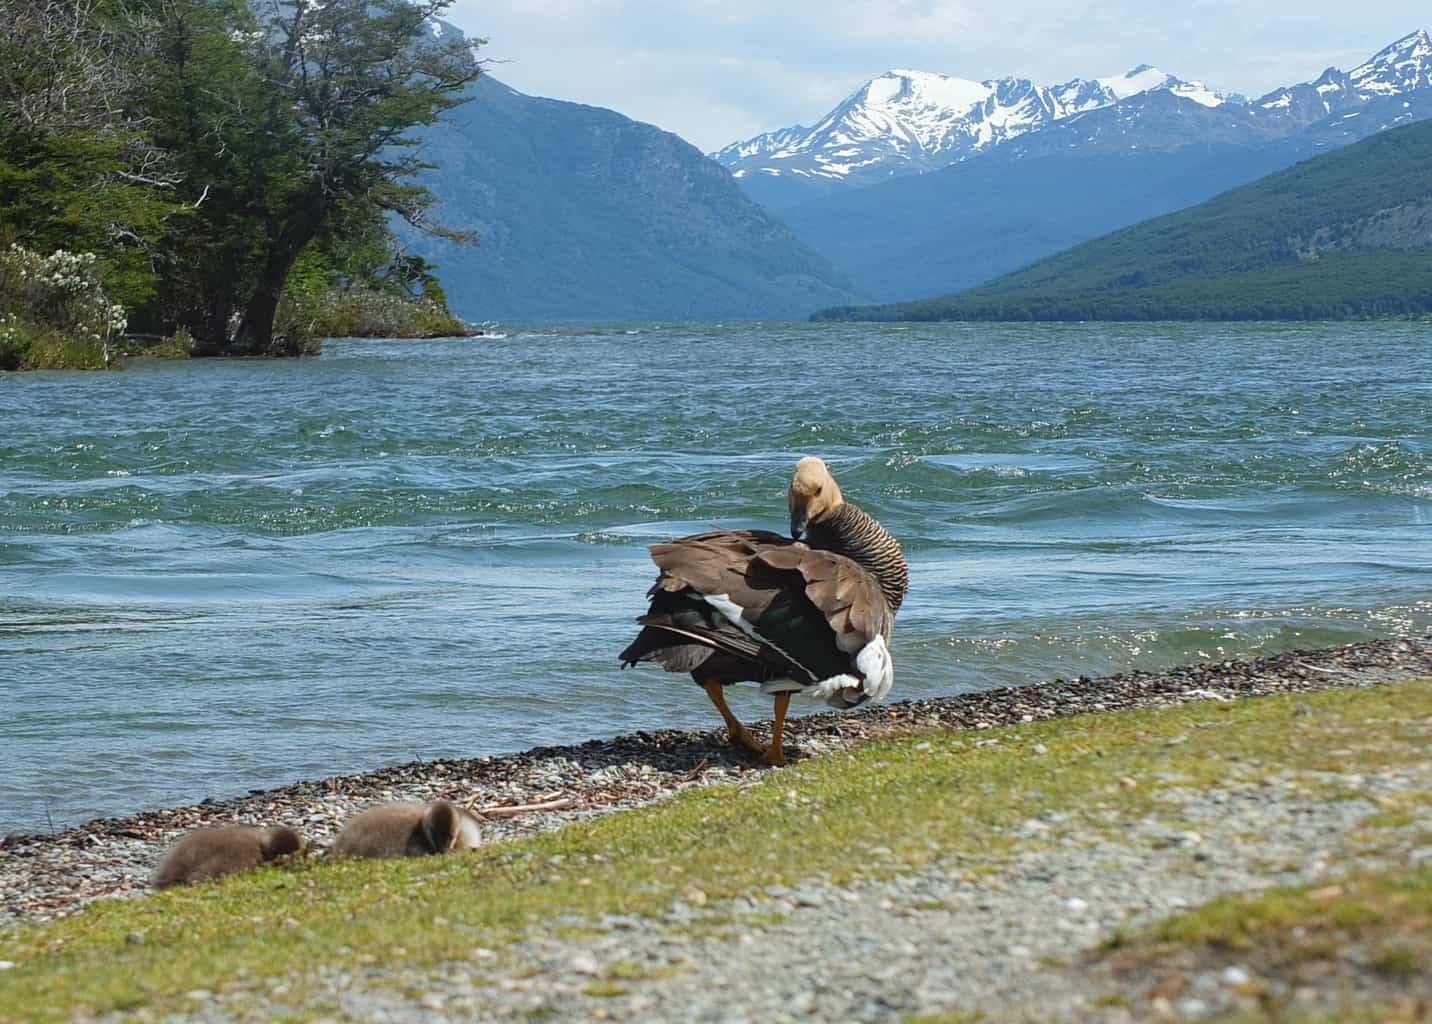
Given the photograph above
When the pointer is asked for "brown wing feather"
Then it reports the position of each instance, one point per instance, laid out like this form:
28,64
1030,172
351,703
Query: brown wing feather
849,597
717,563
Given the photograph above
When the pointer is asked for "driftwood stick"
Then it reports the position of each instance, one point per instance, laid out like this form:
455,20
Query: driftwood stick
512,810
1320,668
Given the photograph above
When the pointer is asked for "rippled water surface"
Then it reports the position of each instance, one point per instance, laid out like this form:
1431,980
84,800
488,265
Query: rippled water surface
222,575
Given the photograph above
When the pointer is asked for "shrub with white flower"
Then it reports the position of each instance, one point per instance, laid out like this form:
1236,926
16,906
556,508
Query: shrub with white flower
56,294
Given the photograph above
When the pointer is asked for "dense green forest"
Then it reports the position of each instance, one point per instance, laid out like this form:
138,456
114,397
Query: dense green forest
1347,234
213,172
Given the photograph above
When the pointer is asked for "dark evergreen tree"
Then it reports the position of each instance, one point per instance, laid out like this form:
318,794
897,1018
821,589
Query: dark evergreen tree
344,82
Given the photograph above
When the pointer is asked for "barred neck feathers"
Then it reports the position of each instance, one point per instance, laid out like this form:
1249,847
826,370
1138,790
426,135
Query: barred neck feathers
852,532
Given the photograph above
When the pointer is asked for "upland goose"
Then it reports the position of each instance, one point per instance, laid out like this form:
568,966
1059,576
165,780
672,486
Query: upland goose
212,852
810,618
407,830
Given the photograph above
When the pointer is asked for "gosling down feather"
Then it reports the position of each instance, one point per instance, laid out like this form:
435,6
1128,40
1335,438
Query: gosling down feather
214,852
407,830
811,618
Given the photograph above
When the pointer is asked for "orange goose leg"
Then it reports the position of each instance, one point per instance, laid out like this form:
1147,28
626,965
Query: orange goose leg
737,732
774,753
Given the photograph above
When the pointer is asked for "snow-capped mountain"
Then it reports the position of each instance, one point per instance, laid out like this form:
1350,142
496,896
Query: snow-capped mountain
911,122
908,122
1403,67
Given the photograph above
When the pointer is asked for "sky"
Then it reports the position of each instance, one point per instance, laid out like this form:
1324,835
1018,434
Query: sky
717,71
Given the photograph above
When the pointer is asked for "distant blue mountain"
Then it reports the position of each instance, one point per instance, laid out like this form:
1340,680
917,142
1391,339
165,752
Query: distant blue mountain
1347,233
585,214
1001,205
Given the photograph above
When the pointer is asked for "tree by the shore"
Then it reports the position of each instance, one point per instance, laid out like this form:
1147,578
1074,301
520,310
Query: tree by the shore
205,149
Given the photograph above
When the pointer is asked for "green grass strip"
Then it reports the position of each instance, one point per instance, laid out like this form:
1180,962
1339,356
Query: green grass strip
890,805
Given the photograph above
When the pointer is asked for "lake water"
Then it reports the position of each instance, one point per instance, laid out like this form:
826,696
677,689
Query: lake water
219,575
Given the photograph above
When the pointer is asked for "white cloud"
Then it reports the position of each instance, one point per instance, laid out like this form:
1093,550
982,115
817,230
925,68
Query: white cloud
718,70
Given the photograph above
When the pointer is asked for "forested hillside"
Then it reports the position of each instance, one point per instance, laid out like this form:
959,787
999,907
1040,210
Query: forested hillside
586,214
1347,234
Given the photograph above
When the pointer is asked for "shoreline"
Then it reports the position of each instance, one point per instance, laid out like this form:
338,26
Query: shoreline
46,876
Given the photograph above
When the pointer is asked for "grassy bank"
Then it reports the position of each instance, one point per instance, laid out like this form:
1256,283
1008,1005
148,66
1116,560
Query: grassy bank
369,313
30,346
890,805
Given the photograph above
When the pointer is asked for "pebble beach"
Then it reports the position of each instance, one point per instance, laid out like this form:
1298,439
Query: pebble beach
46,876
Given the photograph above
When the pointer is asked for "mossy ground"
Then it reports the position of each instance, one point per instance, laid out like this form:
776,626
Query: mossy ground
1376,922
889,805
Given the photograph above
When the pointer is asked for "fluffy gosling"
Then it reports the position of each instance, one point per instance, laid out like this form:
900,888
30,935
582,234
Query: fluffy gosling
407,830
212,852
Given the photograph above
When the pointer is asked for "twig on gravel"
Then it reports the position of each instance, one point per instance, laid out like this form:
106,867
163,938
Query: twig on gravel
566,803
1321,668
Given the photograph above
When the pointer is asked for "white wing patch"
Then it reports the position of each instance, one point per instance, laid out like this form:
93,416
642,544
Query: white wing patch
874,664
877,671
731,611
877,675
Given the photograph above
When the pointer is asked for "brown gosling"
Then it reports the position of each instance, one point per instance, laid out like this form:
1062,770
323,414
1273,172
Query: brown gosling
407,830
213,852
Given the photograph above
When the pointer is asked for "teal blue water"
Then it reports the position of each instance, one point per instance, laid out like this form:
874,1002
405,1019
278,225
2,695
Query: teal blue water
223,575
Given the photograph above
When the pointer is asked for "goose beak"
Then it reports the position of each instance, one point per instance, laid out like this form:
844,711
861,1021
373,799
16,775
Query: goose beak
798,523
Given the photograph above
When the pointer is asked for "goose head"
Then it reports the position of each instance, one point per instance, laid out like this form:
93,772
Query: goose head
813,494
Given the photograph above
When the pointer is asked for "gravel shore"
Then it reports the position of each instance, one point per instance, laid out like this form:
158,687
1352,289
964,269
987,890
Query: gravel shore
1012,946
45,876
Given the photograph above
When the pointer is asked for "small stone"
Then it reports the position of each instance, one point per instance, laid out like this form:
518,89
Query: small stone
1040,748
432,1002
583,964
1075,904
6,965
134,938
1236,975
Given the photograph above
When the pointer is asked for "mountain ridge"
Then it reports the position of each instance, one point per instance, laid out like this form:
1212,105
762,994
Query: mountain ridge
951,229
905,122
585,214
1344,234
